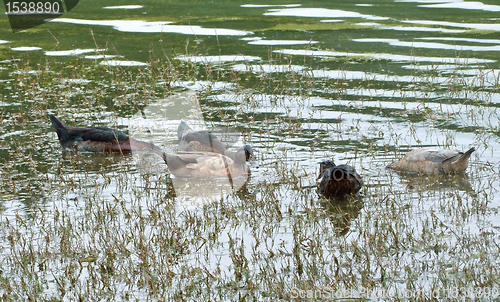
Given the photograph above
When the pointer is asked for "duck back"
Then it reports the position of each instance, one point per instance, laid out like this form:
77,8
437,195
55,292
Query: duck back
198,141
433,160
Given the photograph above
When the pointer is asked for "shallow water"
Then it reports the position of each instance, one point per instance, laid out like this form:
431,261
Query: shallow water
360,83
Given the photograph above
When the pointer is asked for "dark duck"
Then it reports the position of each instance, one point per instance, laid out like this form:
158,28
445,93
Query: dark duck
338,181
98,139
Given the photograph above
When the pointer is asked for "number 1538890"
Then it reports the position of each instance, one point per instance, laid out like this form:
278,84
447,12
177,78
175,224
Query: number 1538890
32,7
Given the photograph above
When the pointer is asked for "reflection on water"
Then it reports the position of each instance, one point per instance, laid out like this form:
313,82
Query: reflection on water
72,52
192,193
415,28
343,212
271,5
465,5
395,42
120,63
124,7
267,68
282,42
26,48
458,181
480,26
382,56
139,26
218,59
320,13
98,57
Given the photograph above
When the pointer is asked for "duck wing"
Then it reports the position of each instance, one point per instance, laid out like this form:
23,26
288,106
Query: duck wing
213,161
201,141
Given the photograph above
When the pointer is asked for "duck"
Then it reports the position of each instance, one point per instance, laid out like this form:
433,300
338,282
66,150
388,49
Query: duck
207,165
338,181
198,141
204,141
98,139
433,160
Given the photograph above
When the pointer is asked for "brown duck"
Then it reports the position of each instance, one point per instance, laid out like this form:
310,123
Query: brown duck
338,181
433,160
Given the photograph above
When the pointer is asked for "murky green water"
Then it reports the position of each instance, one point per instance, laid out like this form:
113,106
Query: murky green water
359,82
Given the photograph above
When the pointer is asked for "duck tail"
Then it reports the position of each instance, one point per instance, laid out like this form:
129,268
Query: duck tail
183,127
61,129
463,158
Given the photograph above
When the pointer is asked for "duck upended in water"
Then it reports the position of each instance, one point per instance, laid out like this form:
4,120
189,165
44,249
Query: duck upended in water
338,181
433,160
98,139
207,165
204,141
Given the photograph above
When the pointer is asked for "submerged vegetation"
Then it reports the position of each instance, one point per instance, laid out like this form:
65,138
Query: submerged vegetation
93,227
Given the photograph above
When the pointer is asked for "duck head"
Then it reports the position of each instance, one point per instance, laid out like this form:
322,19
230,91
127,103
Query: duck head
325,165
249,155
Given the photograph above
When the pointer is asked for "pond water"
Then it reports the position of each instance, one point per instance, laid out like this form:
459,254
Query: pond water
360,82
